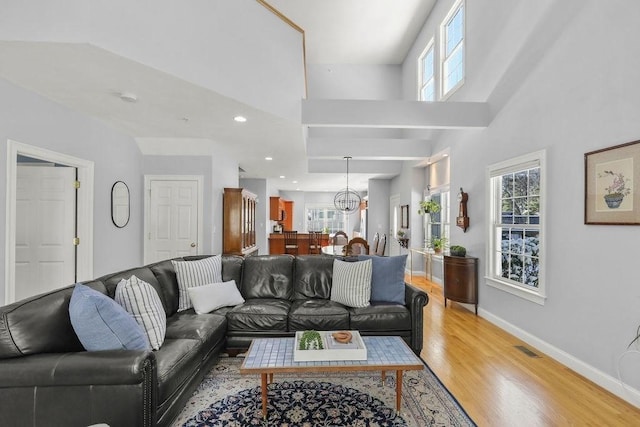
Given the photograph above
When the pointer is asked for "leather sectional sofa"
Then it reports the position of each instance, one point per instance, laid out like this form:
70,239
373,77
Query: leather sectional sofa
47,378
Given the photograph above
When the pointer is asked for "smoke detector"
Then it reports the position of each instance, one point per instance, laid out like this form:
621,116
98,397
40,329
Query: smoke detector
128,97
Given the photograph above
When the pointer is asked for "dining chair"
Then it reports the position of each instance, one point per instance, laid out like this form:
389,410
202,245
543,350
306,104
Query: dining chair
357,246
374,245
290,242
381,245
340,238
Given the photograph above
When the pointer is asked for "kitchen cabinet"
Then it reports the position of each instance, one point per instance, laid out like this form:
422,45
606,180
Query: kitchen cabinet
239,222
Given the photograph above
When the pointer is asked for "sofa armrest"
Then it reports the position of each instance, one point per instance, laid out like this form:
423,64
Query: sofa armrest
415,301
112,387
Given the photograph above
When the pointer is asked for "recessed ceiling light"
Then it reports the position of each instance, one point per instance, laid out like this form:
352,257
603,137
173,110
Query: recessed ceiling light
294,182
297,189
240,119
282,176
445,155
268,158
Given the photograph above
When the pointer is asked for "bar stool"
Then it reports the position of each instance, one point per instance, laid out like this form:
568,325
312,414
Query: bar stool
290,242
315,246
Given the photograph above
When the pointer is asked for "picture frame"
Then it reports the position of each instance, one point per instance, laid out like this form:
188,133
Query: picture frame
612,185
404,216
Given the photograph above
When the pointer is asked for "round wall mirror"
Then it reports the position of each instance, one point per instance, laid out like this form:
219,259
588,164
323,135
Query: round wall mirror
120,204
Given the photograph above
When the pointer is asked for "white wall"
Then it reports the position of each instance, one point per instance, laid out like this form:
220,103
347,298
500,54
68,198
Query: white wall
341,81
378,211
30,119
563,78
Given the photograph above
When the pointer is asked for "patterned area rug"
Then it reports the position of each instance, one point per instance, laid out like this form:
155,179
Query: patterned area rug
226,398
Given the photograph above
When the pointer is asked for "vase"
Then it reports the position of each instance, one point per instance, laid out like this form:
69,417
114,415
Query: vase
613,201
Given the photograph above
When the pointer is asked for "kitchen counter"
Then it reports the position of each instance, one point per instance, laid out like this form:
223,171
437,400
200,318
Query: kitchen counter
276,243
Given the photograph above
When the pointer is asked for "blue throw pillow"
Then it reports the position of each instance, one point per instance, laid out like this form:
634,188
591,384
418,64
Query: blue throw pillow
102,324
387,278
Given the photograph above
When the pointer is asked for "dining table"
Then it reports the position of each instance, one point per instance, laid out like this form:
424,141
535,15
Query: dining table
335,250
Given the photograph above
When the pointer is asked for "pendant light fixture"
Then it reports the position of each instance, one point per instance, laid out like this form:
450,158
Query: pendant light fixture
346,200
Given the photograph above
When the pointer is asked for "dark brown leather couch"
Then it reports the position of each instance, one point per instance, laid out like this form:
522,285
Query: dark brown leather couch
46,377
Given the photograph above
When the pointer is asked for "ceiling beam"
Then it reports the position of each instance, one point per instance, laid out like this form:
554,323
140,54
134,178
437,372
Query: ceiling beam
377,167
395,114
369,148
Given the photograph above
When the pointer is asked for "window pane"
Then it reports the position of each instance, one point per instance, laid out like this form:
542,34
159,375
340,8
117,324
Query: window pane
531,242
453,32
531,271
428,92
427,66
534,181
453,69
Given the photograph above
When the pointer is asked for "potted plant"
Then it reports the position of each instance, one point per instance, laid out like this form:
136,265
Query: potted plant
438,244
457,250
402,238
428,207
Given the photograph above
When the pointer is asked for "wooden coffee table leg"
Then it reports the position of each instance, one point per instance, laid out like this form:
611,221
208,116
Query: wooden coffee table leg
264,396
398,390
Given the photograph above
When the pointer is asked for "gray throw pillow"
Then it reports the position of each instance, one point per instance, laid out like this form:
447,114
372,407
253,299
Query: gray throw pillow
387,278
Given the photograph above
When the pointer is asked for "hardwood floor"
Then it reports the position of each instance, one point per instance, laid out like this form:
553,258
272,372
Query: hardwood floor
499,385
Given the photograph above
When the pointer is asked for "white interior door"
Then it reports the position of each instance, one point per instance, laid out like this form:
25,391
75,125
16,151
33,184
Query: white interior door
173,219
45,229
394,211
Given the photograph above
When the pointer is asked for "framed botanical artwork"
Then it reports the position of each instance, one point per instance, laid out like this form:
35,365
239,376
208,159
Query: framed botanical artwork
404,216
612,185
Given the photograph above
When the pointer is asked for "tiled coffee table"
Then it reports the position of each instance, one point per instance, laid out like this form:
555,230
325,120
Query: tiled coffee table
268,356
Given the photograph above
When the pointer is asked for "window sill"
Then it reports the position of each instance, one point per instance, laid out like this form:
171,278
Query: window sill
518,291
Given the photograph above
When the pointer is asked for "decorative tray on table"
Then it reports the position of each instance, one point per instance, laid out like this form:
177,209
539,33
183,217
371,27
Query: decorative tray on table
335,345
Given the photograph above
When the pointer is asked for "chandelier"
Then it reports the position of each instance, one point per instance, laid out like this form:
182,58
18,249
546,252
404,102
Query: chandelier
346,200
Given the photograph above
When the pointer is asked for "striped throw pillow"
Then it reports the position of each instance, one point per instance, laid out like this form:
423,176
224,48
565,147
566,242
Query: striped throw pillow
139,299
351,283
196,273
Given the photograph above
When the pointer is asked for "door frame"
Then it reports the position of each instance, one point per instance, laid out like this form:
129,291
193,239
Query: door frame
394,203
84,209
147,204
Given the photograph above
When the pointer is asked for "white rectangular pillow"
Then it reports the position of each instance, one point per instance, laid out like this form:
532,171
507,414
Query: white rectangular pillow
210,297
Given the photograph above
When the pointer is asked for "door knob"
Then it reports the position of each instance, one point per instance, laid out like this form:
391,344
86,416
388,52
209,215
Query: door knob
193,245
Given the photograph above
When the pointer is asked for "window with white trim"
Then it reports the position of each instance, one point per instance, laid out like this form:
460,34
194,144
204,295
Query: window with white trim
516,250
452,53
427,74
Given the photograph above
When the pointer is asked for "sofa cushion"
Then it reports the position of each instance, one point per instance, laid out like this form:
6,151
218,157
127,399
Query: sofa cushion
203,327
176,363
267,276
387,277
102,324
196,273
259,315
318,314
143,303
313,276
165,273
207,298
380,318
351,283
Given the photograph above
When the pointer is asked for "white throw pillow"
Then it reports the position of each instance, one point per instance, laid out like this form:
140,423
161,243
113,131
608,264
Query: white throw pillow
210,297
196,273
351,284
141,300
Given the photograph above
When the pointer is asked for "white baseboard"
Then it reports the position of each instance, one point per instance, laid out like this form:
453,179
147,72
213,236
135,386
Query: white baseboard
602,379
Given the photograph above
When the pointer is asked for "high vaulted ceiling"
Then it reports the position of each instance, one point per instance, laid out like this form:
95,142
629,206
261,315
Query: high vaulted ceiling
191,70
